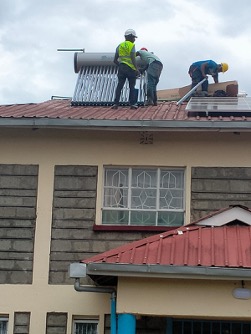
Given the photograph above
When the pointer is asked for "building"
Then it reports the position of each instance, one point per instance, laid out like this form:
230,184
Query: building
187,280
78,180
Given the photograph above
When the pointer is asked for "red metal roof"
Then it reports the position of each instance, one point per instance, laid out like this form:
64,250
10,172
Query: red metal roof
225,246
62,109
210,246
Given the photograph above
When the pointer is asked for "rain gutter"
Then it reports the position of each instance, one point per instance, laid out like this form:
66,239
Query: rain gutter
83,288
168,271
152,125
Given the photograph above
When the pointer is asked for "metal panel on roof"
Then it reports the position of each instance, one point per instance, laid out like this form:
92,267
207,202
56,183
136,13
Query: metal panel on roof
96,85
97,81
213,106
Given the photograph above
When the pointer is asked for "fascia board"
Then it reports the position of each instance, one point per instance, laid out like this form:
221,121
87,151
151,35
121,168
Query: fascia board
126,125
182,272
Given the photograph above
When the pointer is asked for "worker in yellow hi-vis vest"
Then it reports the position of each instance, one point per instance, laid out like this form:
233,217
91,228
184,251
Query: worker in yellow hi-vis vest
125,58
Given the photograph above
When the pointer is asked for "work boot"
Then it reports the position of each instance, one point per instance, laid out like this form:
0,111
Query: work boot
149,103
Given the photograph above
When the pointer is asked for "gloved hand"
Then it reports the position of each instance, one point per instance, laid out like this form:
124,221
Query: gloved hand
137,73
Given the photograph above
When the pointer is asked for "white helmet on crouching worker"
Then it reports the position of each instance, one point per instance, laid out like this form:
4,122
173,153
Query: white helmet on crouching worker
131,32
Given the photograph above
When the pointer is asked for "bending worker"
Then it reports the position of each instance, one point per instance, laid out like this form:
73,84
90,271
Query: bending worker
153,69
201,69
125,58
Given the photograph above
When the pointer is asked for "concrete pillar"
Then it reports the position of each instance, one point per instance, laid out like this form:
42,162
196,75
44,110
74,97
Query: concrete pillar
126,324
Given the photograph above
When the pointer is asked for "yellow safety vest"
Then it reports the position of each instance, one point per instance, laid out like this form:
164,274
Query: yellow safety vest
125,49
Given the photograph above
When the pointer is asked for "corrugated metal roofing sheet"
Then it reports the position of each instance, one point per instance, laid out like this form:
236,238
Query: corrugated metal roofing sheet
225,242
224,246
62,109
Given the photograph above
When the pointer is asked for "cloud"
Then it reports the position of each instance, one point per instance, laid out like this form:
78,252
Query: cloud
178,31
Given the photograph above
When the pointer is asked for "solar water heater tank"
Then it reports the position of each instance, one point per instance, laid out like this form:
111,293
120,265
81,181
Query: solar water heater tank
92,59
98,59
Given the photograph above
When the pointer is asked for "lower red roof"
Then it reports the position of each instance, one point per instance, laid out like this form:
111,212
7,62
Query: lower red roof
224,246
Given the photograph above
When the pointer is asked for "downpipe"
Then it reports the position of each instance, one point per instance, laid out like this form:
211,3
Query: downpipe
83,288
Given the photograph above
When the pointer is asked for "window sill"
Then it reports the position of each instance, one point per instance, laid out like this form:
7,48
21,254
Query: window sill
109,228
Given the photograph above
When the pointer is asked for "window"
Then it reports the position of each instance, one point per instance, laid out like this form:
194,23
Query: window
85,327
143,197
3,325
210,327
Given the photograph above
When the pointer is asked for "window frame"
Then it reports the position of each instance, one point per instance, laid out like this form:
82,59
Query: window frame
4,319
178,325
129,209
83,321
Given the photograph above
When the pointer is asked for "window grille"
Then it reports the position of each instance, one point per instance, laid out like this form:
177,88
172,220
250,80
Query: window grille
85,327
210,327
143,196
3,325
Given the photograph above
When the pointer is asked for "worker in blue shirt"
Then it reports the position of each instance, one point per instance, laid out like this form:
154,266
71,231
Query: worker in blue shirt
201,69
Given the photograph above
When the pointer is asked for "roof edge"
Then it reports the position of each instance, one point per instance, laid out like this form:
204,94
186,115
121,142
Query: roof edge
160,271
129,125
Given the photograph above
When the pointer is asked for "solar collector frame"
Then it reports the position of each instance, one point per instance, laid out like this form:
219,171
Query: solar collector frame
97,81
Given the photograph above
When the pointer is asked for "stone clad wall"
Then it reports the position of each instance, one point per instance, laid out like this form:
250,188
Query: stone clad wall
74,208
18,197
214,188
56,323
21,323
73,216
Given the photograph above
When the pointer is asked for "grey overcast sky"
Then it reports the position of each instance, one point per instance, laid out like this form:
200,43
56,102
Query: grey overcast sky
178,31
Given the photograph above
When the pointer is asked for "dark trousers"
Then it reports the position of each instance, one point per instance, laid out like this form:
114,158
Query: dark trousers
153,74
196,76
126,72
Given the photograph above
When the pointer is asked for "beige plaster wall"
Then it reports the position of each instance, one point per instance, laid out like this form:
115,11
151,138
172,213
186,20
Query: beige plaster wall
41,298
49,148
182,298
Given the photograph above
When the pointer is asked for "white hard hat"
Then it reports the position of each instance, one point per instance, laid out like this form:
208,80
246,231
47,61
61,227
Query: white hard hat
129,32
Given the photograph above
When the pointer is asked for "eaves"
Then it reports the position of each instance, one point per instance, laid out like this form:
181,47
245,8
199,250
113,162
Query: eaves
126,125
168,271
